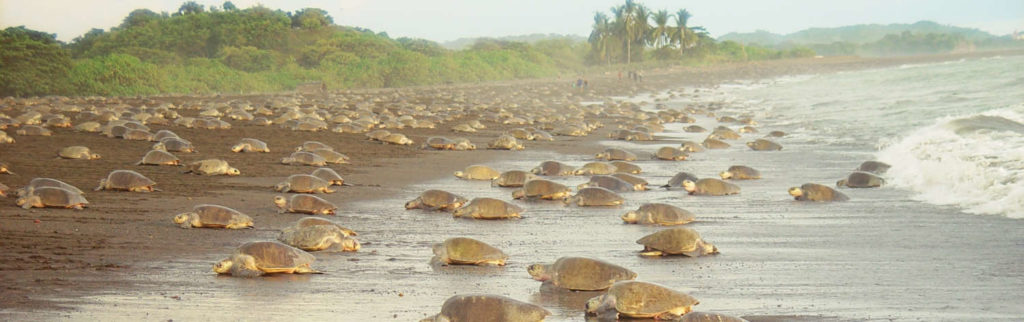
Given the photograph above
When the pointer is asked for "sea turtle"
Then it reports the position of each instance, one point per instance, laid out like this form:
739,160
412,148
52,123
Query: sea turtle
488,208
77,152
712,143
875,167
6,139
691,147
612,154
89,127
512,178
608,182
305,204
520,134
709,317
676,241
163,134
641,300
437,200
553,168
695,129
775,134
329,175
397,139
626,167
724,133
479,307
505,142
330,156
304,158
4,189
312,145
463,127
36,183
580,273
595,196
747,129
212,167
740,172
478,172
593,168
157,157
174,144
861,180
33,130
658,214
764,145
258,258
137,135
53,197
467,251
710,187
126,180
816,192
639,184
439,143
213,216
304,183
250,145
317,237
540,135
542,189
670,154
377,135
676,182
463,144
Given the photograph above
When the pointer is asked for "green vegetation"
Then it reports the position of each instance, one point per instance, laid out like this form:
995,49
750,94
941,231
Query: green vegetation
924,37
226,49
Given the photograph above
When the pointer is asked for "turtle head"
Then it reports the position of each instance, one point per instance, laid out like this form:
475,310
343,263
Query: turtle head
601,155
725,175
27,201
689,185
280,202
413,204
537,170
94,156
223,267
460,174
159,147
751,144
599,304
288,160
583,185
640,187
234,172
708,248
350,245
796,192
182,219
630,217
237,147
539,272
461,211
840,183
281,187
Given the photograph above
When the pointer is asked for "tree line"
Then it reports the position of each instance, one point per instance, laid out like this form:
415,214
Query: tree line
225,49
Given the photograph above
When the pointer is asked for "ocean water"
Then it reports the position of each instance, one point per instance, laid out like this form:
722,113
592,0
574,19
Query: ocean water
952,131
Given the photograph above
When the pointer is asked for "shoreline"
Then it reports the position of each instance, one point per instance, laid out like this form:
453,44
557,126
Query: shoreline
53,266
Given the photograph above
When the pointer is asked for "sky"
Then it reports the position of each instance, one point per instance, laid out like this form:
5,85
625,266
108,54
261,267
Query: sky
446,20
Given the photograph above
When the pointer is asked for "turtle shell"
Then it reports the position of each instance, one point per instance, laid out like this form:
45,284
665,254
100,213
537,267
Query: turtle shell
462,250
543,189
37,183
304,183
157,157
307,158
309,204
58,197
634,180
512,178
709,317
313,145
874,167
273,256
626,167
127,180
586,274
715,187
677,180
663,214
863,180
480,172
817,192
329,175
764,145
217,216
440,199
488,208
610,183
647,300
314,221
673,241
597,196
742,172
594,168
477,307
553,168
670,153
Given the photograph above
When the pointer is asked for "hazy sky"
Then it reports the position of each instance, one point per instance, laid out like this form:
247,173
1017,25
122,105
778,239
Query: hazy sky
443,20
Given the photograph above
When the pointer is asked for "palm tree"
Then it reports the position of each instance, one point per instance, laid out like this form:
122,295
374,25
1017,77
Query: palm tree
643,27
661,31
625,26
601,36
682,34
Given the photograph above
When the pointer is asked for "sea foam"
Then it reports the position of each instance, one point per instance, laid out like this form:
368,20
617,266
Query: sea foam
975,162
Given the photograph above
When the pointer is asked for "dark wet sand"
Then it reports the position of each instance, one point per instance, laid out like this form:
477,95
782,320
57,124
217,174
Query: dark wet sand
122,258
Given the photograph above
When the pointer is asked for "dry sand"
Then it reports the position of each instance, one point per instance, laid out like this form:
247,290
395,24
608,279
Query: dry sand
122,258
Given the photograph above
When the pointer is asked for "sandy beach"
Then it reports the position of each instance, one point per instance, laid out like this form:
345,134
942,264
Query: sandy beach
123,259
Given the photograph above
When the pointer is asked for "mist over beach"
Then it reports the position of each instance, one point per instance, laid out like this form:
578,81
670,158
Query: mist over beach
202,161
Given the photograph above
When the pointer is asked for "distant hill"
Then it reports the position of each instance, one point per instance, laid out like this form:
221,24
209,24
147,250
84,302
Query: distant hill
856,34
463,43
